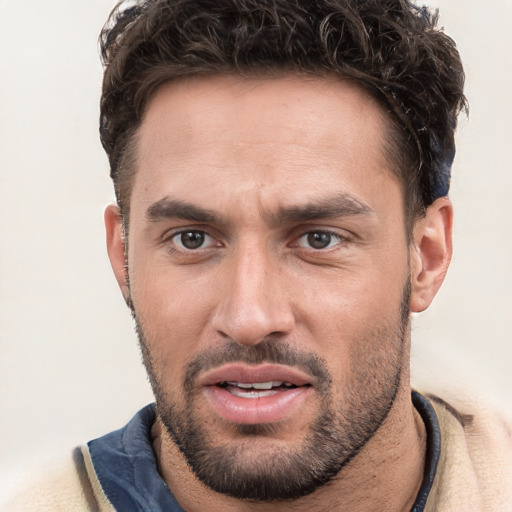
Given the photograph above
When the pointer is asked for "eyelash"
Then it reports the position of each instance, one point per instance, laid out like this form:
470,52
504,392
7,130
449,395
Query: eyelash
332,234
172,237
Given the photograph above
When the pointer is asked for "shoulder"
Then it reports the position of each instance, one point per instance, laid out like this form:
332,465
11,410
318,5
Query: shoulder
68,483
475,466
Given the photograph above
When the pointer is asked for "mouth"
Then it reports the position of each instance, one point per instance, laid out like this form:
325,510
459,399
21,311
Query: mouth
256,394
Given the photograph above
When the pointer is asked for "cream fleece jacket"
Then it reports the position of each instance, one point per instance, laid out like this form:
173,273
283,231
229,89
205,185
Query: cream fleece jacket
474,473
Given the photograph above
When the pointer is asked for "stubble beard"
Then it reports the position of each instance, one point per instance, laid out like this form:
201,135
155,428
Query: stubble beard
337,434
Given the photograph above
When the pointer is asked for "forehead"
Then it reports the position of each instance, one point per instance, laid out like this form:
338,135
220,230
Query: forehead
262,136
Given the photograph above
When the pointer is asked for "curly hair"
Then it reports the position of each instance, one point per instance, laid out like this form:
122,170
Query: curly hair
391,48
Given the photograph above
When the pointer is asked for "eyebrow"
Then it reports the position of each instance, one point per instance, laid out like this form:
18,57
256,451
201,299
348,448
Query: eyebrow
167,208
337,206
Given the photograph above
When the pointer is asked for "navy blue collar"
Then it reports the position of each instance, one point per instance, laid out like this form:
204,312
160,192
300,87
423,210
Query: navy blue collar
126,468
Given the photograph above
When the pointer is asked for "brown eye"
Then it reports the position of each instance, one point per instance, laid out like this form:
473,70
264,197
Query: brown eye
319,240
191,240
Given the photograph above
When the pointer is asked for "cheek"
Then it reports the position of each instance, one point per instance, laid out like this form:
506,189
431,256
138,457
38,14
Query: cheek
355,322
351,301
174,316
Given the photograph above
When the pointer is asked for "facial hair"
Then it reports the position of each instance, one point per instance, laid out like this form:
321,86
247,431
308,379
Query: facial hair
341,428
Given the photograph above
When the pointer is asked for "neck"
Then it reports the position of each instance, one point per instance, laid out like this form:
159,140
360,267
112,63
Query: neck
385,475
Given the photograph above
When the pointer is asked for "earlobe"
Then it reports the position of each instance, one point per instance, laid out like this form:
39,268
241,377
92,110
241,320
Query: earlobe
116,247
431,252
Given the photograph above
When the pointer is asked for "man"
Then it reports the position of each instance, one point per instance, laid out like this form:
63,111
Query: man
282,171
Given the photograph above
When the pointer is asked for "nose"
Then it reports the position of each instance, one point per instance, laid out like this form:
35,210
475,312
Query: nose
253,300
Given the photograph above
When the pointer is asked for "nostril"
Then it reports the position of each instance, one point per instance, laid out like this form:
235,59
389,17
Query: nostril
249,323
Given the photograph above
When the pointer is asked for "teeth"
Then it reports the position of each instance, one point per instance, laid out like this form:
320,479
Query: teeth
255,389
243,385
264,385
258,385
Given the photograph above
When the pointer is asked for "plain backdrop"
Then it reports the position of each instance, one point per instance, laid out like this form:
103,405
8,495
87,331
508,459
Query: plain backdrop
69,363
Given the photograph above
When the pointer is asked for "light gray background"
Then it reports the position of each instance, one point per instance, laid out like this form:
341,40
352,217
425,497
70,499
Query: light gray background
69,363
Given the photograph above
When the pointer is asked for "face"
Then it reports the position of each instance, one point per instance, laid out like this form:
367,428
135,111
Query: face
268,272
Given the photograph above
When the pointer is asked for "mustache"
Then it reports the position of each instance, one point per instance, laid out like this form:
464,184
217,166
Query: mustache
269,350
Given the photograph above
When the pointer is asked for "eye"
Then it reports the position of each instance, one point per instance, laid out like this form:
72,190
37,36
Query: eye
319,240
192,240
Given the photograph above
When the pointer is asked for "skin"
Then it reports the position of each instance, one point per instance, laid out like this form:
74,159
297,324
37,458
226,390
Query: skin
245,150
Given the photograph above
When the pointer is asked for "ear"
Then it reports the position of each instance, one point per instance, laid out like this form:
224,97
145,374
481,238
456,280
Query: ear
116,247
431,252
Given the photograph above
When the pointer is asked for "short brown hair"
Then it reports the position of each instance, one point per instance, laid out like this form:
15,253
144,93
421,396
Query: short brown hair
391,48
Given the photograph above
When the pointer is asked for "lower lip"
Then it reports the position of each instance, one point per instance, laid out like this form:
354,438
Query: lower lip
267,409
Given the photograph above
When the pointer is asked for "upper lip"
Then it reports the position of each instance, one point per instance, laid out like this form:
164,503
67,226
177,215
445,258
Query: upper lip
265,372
